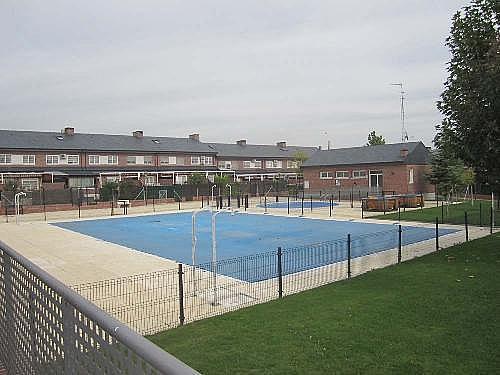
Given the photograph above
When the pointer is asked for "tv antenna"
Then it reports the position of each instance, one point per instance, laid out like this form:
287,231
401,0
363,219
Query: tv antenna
404,133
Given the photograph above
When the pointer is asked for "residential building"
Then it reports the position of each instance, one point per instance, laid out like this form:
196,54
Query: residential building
399,168
71,159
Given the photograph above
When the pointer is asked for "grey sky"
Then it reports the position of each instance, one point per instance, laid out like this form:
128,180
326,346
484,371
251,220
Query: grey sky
261,70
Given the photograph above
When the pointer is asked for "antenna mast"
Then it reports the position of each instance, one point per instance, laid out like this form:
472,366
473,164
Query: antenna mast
404,133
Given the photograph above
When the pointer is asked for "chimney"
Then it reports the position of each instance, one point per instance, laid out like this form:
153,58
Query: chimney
138,134
68,130
241,142
194,137
281,144
404,153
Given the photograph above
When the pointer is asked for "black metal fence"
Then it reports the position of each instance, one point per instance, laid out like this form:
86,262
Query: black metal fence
157,301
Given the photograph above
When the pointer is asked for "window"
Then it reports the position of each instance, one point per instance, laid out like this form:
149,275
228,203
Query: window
149,180
29,159
359,174
165,160
206,160
325,175
5,159
148,160
195,160
292,164
342,174
93,159
181,179
131,160
410,176
112,159
252,164
73,159
224,164
82,182
29,184
52,159
273,164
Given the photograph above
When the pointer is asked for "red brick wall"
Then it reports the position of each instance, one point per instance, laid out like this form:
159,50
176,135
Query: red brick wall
395,178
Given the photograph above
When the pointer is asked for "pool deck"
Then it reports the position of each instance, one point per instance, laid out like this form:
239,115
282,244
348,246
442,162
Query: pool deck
75,258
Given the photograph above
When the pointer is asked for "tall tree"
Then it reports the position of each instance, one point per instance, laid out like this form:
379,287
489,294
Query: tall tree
470,102
374,139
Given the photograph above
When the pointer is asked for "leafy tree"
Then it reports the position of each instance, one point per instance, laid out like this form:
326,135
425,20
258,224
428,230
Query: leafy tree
448,173
196,179
470,102
106,192
300,157
374,139
11,186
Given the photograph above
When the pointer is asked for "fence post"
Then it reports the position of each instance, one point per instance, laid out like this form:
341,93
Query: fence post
491,220
238,202
330,201
44,207
221,205
246,202
349,256
399,212
79,204
480,214
280,273
442,212
400,232
311,199
466,226
288,204
181,296
437,233
229,201
339,195
277,198
362,209
265,204
302,214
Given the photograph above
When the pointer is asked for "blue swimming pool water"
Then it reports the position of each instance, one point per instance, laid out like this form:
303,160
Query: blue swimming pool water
297,204
169,235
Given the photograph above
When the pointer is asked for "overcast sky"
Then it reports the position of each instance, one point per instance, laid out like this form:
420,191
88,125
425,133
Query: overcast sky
227,69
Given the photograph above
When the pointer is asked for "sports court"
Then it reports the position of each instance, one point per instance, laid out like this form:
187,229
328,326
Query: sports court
242,234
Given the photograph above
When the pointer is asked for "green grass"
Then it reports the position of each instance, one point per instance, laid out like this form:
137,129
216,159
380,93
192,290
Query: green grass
453,214
437,314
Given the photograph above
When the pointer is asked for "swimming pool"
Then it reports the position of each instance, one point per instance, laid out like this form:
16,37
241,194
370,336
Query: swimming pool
297,204
170,235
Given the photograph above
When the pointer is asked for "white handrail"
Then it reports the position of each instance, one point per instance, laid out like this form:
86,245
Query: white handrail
17,204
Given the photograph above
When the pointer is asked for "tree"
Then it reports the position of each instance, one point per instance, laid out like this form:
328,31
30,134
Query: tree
299,158
470,102
196,179
374,139
448,173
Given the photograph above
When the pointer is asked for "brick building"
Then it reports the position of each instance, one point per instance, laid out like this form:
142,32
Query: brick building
399,168
71,159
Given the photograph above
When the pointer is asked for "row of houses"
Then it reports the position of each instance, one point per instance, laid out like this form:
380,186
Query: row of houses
71,159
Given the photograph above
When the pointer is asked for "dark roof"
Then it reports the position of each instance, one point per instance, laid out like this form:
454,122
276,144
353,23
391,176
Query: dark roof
13,139
259,151
389,153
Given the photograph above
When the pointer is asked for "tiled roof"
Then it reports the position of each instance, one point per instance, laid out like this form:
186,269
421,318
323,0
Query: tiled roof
259,151
13,139
389,153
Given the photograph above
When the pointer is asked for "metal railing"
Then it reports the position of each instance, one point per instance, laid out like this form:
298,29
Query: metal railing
47,328
154,302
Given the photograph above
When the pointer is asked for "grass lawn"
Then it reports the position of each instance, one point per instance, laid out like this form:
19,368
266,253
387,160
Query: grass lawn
477,214
436,314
